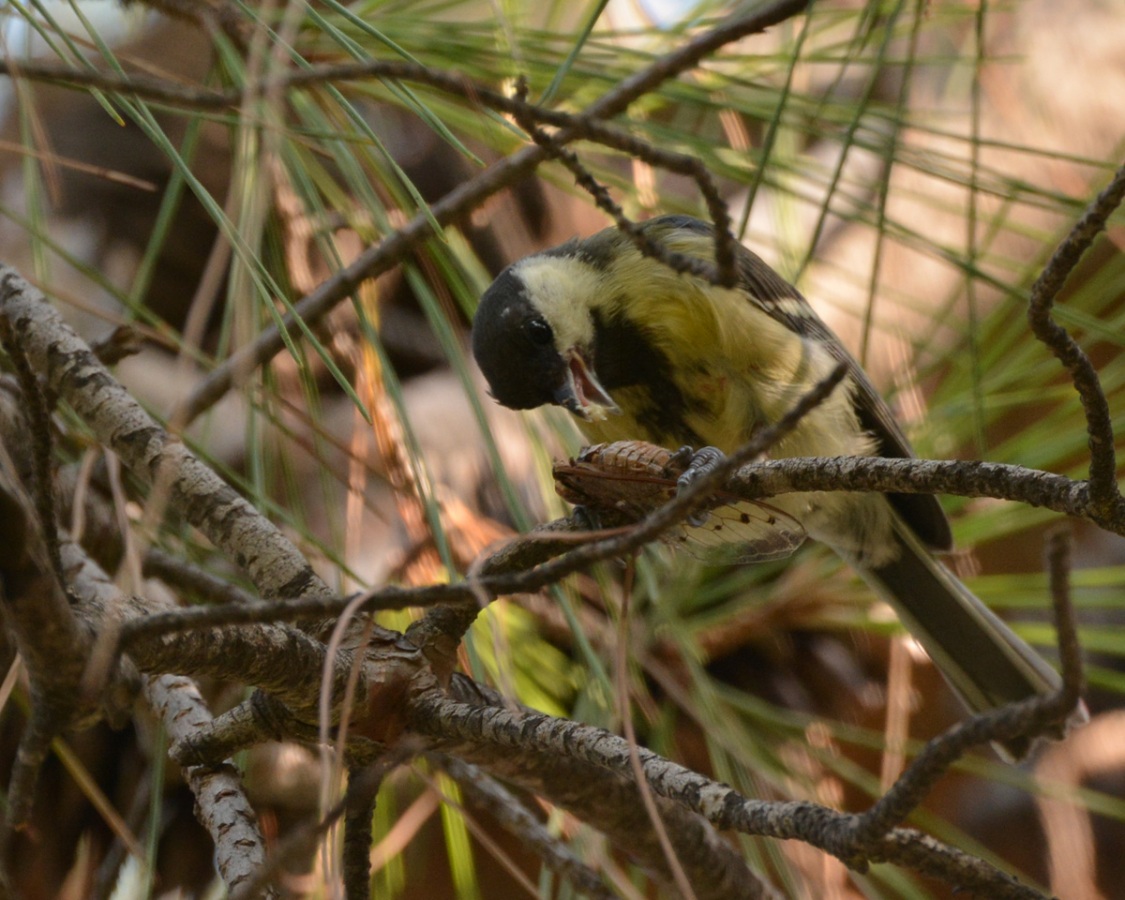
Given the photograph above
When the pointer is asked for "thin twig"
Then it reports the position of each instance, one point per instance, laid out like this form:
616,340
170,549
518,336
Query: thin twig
511,569
682,506
579,126
366,785
687,501
187,578
721,272
359,807
1059,545
1104,493
613,102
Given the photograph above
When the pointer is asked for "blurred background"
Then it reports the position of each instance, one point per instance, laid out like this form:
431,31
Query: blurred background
909,165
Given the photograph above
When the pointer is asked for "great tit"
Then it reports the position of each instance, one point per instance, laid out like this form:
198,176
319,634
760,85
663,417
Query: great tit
639,351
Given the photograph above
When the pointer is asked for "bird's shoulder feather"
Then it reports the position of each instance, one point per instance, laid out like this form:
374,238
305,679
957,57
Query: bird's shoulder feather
783,303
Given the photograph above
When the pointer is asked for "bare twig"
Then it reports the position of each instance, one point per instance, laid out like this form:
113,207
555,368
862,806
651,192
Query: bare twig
366,784
145,86
1030,718
359,807
1104,494
1059,542
962,478
199,97
523,578
187,578
687,501
511,568
721,272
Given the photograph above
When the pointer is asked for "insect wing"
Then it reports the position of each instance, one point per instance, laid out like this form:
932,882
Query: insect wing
746,532
631,478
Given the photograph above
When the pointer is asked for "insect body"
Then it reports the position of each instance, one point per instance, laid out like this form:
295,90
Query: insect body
623,481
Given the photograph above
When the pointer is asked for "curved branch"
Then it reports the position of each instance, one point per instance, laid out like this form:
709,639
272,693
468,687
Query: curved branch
605,799
1104,494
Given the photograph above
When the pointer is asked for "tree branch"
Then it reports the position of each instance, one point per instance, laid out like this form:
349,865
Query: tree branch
221,805
1105,497
486,793
527,741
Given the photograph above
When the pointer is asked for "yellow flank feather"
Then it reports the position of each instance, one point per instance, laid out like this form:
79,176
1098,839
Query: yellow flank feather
739,367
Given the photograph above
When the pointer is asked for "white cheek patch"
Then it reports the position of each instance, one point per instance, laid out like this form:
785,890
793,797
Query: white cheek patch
563,289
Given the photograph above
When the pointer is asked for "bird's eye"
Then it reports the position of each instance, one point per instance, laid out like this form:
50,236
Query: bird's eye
539,331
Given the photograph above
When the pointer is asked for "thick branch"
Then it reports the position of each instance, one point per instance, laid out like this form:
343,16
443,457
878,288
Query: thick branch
524,744
120,423
282,661
37,615
221,804
606,800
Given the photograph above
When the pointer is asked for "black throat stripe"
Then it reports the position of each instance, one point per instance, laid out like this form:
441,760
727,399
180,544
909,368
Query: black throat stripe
624,358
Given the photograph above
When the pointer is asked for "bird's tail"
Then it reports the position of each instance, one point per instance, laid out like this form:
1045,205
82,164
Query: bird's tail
985,662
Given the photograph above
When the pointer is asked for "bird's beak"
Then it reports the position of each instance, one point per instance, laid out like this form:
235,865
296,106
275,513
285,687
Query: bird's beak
581,393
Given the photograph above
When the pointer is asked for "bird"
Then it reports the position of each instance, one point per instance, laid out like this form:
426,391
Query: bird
639,351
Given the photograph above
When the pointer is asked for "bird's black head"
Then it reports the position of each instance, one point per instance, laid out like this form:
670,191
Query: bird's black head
515,347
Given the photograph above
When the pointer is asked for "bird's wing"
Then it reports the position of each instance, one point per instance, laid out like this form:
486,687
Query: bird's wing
784,303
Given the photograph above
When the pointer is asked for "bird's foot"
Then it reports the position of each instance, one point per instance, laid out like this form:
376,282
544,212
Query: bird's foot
585,518
696,464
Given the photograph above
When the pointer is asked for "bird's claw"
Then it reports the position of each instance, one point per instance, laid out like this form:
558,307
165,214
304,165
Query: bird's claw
696,464
585,518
